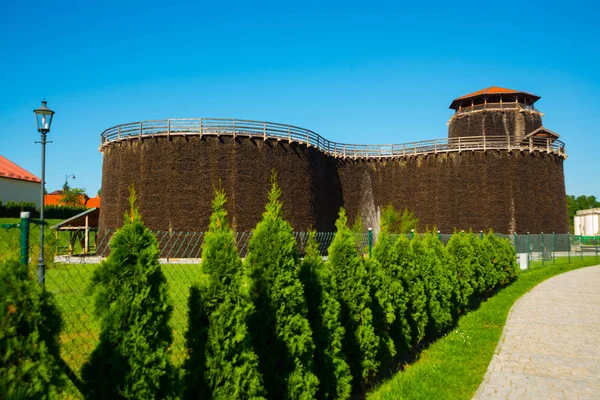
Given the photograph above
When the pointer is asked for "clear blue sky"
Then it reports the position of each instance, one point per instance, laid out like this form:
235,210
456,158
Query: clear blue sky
368,72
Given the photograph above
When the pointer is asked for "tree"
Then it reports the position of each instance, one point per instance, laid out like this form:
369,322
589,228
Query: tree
324,315
396,222
280,329
132,303
390,292
575,204
30,324
73,197
462,255
351,288
222,363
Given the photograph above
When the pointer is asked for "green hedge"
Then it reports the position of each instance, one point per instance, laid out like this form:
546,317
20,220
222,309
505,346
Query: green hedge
12,209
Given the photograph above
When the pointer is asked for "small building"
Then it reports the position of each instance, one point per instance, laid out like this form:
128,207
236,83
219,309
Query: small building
54,199
17,184
587,222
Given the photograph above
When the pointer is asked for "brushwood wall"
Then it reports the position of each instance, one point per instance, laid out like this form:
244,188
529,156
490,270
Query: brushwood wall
174,179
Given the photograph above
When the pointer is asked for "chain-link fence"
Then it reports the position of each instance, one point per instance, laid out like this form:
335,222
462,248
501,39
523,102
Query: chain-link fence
72,257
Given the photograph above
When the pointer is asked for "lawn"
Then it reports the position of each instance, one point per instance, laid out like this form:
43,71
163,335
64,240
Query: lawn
454,366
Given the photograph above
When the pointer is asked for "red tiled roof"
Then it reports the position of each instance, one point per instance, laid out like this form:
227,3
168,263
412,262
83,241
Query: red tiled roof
9,169
54,200
491,91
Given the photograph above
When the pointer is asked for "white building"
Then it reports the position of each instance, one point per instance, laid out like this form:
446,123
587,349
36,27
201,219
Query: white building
587,222
18,184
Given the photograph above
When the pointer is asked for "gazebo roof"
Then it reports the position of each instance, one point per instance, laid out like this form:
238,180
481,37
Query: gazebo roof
491,91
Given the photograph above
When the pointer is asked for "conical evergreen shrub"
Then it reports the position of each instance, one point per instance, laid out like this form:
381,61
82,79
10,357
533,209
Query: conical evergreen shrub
351,287
503,258
392,295
324,315
29,327
462,256
131,360
280,330
440,284
222,363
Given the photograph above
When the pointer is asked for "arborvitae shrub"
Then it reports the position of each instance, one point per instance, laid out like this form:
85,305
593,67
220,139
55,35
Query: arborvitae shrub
481,267
351,287
324,315
392,295
502,257
414,286
222,362
280,330
132,303
29,327
440,283
462,255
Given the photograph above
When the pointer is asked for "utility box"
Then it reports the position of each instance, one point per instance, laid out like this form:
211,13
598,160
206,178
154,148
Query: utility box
523,260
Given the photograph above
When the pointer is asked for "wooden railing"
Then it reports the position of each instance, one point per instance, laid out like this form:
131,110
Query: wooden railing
270,130
497,106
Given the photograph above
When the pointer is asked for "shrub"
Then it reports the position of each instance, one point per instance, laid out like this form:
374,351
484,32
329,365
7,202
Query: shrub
503,258
351,288
391,293
462,256
439,284
280,329
29,327
324,315
222,362
132,304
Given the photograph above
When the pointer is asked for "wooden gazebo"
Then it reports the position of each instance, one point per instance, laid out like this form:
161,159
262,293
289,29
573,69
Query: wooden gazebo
79,228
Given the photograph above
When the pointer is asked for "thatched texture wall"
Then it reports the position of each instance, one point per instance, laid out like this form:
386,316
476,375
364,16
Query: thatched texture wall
504,191
174,179
494,123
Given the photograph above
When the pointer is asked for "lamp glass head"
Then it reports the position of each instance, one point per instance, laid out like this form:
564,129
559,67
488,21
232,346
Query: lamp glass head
44,116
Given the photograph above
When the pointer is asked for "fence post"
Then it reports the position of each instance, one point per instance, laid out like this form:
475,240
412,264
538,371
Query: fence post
569,244
412,233
542,246
370,241
25,216
528,246
481,235
581,248
439,236
553,247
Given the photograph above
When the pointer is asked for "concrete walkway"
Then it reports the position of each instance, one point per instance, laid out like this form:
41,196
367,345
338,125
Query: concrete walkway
550,347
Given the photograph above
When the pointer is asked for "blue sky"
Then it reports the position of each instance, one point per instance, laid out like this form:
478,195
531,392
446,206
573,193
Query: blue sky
368,72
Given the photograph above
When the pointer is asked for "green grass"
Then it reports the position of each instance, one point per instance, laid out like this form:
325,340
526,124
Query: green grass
453,367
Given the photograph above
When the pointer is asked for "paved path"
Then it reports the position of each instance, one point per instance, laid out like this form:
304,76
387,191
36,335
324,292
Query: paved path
550,347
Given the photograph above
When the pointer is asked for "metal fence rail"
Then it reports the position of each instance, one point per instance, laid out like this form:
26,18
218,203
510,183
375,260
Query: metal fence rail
290,133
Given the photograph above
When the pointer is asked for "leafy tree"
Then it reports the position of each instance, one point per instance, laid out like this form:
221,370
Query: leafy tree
132,303
222,362
351,288
409,221
73,197
29,327
324,315
280,328
575,204
483,280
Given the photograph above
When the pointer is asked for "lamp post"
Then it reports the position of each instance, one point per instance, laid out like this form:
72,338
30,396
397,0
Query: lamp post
66,186
43,117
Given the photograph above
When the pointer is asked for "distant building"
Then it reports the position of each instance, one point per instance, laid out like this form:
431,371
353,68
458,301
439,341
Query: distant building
18,184
53,199
587,222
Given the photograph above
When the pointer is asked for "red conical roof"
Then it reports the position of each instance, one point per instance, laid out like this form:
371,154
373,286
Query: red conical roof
493,90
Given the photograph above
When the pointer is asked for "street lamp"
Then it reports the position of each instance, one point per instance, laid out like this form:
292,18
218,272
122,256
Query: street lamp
66,186
43,117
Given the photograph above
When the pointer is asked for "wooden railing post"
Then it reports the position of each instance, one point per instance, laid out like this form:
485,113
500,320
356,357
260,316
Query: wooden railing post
200,127
289,135
119,133
169,129
141,129
265,131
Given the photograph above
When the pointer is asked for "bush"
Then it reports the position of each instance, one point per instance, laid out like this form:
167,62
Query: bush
462,256
502,257
392,292
29,327
133,306
351,288
324,315
280,329
222,362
